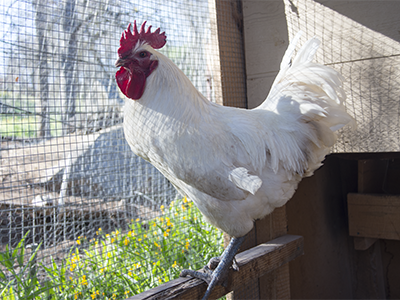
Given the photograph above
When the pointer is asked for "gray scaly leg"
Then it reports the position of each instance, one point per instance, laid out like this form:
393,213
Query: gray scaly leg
221,271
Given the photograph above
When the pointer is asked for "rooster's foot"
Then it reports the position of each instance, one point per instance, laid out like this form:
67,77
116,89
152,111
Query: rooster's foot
220,264
213,263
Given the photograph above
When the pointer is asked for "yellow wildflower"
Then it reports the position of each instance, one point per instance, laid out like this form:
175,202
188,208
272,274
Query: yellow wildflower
174,264
137,220
166,233
162,207
157,245
139,240
185,199
72,267
78,242
154,225
126,242
112,240
155,232
93,295
183,207
84,281
145,236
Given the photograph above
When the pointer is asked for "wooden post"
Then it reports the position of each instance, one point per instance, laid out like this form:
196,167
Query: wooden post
276,284
265,39
227,38
369,283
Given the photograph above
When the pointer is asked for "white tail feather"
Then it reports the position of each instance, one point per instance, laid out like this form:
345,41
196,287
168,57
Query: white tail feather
308,97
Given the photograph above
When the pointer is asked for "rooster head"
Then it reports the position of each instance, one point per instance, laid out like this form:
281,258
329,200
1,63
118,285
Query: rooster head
137,63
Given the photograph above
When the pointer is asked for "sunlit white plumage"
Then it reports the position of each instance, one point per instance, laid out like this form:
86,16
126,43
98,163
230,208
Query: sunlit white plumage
237,165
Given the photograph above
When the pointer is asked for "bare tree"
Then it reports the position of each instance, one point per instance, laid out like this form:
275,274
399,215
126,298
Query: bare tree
70,26
42,58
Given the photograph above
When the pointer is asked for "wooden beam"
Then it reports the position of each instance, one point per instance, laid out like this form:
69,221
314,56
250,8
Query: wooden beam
374,216
266,40
276,284
229,21
253,263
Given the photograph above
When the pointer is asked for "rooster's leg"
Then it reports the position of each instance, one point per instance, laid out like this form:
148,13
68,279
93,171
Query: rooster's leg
221,271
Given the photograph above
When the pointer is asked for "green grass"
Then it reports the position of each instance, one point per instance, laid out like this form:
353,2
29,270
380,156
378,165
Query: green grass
119,265
19,126
20,119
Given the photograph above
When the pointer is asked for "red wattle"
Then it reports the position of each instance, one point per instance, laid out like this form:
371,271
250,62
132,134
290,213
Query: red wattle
131,83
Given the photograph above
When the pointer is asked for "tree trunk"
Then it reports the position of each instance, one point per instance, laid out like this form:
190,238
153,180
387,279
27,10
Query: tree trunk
71,82
41,22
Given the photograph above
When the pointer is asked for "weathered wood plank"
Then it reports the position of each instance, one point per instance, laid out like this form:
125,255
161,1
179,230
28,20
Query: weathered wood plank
369,281
253,263
229,24
374,216
266,39
363,243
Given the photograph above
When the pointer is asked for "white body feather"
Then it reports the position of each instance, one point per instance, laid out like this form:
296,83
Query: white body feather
238,165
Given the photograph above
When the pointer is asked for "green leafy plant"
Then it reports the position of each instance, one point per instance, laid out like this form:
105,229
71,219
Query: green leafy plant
118,265
19,279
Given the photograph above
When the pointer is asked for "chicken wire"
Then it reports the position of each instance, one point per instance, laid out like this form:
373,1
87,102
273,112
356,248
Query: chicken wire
67,174
360,41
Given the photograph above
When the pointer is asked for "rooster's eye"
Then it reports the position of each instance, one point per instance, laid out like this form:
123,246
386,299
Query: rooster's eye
142,54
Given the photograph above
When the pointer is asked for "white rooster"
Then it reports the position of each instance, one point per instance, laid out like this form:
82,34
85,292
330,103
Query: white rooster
236,165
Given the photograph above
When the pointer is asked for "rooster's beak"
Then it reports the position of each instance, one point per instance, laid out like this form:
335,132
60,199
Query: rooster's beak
119,62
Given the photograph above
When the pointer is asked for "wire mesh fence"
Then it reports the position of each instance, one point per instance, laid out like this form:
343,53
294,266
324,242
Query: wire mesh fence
107,223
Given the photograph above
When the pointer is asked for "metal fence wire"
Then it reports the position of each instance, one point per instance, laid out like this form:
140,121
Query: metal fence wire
68,179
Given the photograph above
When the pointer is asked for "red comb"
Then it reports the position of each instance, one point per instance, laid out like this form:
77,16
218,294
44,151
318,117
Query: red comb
128,39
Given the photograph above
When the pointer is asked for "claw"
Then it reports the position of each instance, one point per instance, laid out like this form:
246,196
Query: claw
213,262
205,275
220,265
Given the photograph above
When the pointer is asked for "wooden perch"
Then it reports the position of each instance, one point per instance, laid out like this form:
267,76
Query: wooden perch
253,263
374,216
